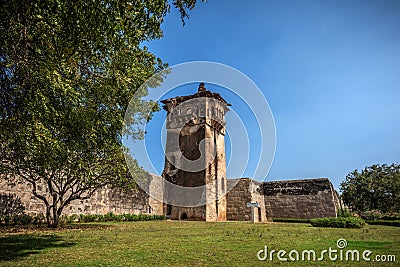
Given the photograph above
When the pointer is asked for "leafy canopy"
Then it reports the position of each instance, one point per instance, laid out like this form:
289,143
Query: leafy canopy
377,187
68,70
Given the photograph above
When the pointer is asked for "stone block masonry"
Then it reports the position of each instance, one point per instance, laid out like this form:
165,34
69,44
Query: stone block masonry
104,200
240,192
303,199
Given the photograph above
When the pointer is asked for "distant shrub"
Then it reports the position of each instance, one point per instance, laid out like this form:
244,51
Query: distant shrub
10,205
119,217
25,219
90,218
345,213
392,216
340,222
130,217
12,211
109,217
371,215
22,219
384,222
72,218
5,220
38,219
291,220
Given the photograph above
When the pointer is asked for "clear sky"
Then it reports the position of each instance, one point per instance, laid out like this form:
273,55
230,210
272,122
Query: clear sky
330,71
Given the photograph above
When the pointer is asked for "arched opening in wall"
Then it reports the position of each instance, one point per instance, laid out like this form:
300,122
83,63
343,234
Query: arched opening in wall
259,214
184,216
169,209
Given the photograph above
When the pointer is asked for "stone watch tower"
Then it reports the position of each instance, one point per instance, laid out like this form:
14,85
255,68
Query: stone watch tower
195,165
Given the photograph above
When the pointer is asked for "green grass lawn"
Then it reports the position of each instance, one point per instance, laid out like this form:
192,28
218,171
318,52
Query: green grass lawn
174,243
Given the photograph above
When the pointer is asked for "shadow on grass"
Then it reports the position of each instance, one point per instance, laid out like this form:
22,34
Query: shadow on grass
14,247
43,227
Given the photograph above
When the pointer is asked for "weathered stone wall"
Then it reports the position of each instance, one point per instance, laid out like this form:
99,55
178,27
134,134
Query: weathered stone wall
215,177
237,198
155,185
242,191
103,201
305,199
261,214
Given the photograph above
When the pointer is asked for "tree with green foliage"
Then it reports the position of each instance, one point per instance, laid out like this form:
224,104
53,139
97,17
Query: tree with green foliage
68,70
377,187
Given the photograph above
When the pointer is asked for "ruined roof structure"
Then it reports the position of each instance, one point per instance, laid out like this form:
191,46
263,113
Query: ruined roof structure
170,103
296,187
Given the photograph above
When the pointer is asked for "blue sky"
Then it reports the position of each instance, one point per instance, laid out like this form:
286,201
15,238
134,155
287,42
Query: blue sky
330,71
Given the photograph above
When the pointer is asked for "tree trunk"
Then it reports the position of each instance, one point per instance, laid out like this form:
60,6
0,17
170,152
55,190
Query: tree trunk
53,216
56,220
48,217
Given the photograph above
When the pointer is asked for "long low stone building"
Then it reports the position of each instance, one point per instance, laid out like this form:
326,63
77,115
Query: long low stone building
300,199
